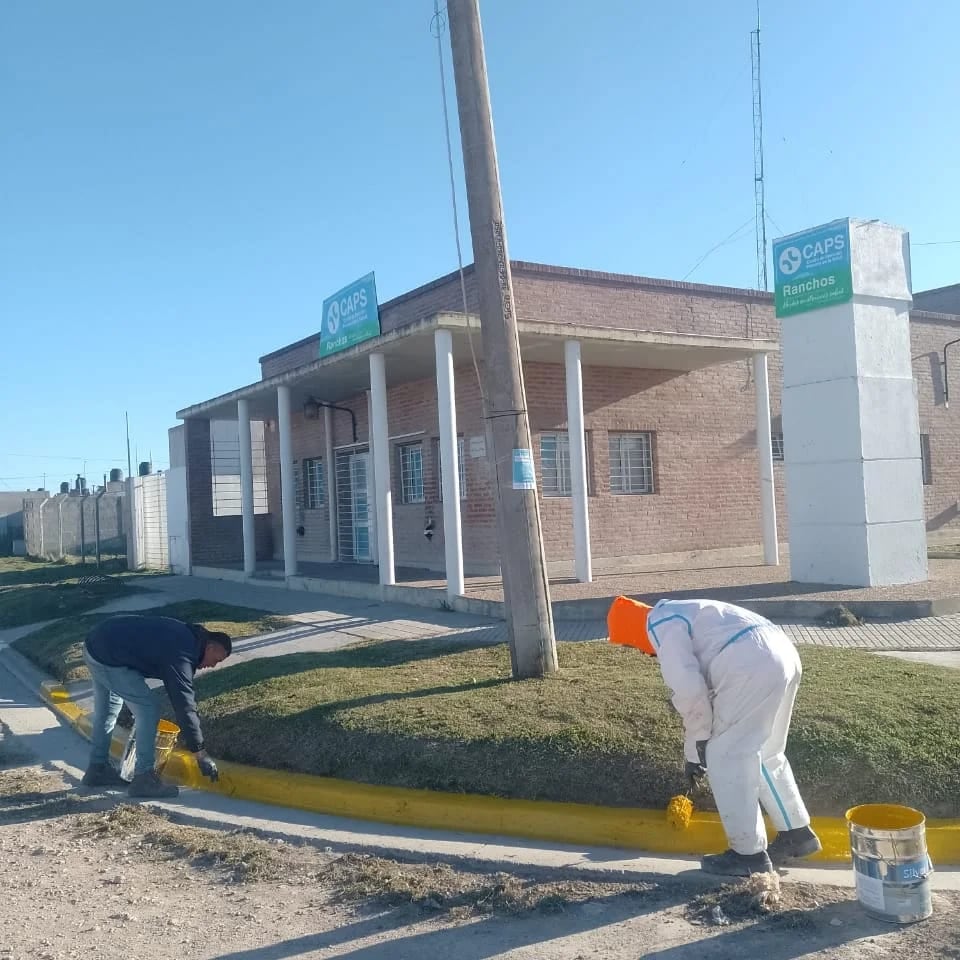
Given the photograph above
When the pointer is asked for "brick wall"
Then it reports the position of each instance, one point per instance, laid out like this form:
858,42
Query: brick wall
928,334
215,541
705,458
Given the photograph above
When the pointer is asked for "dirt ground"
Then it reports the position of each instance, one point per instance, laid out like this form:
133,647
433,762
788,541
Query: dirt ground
85,876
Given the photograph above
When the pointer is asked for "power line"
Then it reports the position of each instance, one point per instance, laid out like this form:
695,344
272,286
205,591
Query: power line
715,247
935,243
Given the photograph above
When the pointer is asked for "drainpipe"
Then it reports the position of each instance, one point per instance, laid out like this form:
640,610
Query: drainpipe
99,497
946,378
43,503
63,496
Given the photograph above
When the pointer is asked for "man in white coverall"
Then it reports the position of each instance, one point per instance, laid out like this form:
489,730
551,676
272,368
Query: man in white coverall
734,678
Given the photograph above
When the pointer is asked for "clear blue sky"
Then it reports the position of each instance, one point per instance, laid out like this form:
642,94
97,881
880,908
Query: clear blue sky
183,183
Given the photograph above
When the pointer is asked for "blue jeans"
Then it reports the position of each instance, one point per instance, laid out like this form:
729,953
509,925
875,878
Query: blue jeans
111,686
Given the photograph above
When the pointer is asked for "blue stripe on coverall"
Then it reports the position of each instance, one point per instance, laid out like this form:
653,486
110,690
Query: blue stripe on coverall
676,616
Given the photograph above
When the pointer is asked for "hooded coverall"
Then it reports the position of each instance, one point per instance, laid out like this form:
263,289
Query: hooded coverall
734,678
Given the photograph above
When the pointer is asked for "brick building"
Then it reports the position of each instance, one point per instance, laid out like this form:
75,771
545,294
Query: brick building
670,407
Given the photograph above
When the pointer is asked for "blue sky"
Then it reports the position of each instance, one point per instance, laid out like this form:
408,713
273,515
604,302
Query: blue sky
183,183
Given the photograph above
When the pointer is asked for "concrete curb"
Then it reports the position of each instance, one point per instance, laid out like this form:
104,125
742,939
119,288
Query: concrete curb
587,608
568,823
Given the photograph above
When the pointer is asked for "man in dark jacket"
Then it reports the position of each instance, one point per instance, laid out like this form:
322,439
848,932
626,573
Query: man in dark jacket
122,652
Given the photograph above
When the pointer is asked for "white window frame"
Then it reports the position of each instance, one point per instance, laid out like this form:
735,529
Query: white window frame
776,446
314,484
409,493
461,469
632,479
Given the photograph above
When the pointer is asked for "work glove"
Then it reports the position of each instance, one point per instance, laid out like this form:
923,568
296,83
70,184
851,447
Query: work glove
208,768
696,772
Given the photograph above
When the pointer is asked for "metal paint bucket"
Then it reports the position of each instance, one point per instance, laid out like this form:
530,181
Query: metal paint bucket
890,862
167,734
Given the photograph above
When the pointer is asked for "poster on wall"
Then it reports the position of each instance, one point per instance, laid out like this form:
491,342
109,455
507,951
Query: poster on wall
350,316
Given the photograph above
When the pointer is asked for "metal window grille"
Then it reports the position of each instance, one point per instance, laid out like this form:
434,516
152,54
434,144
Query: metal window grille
315,487
631,463
555,464
776,444
461,467
925,461
353,507
225,467
411,473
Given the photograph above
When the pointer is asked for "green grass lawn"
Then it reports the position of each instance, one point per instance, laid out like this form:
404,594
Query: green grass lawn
428,714
35,590
57,649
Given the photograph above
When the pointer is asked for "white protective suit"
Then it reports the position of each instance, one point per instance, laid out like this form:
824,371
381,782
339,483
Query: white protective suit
734,678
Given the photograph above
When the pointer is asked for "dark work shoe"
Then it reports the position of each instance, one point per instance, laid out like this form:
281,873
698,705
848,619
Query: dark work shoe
733,864
148,786
102,775
794,845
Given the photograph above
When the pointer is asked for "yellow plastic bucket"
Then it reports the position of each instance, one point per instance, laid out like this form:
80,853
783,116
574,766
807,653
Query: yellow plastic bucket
891,866
167,734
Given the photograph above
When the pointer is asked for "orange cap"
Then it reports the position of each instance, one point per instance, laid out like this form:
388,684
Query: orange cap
627,624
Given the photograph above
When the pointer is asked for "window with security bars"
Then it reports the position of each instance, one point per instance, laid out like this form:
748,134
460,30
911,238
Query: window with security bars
411,473
925,462
314,483
631,463
462,470
225,467
555,465
776,445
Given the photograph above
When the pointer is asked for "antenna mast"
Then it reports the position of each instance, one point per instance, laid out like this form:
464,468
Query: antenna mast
758,191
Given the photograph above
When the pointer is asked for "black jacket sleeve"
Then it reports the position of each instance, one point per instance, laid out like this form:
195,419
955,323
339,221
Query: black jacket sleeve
178,681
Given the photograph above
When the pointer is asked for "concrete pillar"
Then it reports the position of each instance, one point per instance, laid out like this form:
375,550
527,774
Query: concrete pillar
246,488
578,461
288,490
371,486
768,500
850,422
379,434
331,463
449,463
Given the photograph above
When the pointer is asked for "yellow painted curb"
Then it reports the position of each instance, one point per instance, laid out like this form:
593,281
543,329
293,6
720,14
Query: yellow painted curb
570,823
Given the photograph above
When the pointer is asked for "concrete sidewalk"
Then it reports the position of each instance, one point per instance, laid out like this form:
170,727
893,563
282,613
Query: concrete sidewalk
55,745
341,618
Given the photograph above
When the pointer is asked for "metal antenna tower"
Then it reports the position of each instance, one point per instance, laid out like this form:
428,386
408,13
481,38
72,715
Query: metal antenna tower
758,191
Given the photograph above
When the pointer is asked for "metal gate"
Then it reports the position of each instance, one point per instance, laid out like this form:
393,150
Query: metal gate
353,506
149,548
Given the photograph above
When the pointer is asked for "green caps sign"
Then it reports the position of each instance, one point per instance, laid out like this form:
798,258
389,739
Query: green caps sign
811,269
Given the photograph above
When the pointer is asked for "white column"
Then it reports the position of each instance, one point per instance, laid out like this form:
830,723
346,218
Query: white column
371,485
381,464
768,501
246,488
288,492
449,464
578,462
331,462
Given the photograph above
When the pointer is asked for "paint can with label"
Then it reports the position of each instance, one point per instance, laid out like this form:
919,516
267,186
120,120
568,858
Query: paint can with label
890,862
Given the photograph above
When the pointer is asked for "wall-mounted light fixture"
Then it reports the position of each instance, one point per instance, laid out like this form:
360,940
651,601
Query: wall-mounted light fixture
312,408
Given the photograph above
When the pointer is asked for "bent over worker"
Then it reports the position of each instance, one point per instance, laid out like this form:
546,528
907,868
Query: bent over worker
734,677
122,652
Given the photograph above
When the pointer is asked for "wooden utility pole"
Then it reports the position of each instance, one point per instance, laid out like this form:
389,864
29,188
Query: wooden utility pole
526,590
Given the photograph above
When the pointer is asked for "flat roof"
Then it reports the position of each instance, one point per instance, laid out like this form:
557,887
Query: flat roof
409,357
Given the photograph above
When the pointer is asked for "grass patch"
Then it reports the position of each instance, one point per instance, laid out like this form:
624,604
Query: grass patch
57,649
26,571
436,715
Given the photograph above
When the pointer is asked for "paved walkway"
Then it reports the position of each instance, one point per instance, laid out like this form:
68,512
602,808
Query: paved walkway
322,622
